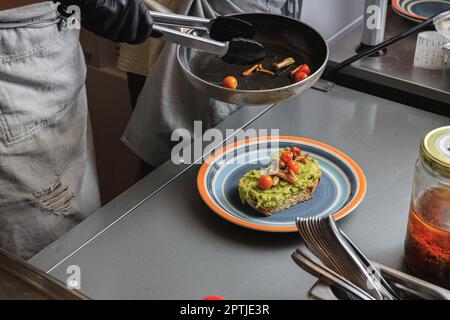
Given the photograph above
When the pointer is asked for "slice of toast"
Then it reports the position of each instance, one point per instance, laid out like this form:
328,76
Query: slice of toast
305,195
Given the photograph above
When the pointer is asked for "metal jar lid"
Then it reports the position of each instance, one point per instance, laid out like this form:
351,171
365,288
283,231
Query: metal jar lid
435,151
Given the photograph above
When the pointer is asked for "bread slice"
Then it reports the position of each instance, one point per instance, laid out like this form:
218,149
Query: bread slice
305,195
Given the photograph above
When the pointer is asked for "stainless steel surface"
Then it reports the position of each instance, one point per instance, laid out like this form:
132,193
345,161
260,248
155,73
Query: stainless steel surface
395,69
190,40
160,241
268,25
374,21
20,280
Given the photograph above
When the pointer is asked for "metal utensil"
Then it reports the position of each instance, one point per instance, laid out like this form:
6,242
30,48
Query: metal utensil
369,265
311,266
319,235
221,28
330,226
420,288
231,37
407,287
235,51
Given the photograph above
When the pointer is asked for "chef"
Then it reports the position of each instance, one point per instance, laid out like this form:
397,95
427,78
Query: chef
167,102
48,181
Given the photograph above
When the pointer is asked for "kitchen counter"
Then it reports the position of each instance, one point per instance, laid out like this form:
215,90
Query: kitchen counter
158,240
396,68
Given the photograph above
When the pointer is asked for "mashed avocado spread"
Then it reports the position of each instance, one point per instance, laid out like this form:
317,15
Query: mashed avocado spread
272,198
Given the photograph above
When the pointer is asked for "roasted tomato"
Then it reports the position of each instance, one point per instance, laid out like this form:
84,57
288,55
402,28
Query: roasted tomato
305,69
293,166
286,156
297,151
265,182
230,82
300,76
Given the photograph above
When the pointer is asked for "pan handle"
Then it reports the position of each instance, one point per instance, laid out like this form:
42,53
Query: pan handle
332,72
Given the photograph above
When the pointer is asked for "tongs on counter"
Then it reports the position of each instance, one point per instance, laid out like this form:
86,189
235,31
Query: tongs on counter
230,38
345,273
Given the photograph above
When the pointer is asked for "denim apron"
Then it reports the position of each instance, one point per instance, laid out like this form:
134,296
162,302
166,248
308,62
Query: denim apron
167,102
48,180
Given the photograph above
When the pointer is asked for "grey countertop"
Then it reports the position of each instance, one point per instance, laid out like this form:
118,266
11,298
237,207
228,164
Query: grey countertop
159,240
396,68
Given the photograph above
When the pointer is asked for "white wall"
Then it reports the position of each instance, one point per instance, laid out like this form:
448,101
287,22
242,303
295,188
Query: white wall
331,16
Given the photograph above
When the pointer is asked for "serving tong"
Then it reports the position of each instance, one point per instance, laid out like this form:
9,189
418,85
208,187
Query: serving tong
329,254
229,38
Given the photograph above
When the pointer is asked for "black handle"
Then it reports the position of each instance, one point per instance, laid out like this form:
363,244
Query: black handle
381,46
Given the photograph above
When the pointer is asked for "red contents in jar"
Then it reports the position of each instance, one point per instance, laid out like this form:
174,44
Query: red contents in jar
427,248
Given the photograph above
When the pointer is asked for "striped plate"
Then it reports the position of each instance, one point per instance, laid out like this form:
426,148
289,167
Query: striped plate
341,189
419,10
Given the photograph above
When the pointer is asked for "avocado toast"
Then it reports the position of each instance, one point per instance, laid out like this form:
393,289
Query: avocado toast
292,178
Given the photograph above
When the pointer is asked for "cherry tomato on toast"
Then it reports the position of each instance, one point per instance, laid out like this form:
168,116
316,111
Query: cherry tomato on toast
265,182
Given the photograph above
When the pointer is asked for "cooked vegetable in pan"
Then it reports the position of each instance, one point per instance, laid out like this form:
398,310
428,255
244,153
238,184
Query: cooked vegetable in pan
298,74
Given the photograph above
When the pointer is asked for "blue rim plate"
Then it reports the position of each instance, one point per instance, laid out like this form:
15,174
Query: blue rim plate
419,10
341,189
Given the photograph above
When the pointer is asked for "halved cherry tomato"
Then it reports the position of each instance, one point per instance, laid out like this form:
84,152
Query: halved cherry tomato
297,151
230,82
293,166
286,156
305,69
300,76
265,182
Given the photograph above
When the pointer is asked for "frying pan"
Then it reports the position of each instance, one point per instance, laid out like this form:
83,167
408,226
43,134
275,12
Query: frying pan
282,37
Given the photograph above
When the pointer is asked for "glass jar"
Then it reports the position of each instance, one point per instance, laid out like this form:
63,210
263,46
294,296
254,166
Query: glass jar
427,245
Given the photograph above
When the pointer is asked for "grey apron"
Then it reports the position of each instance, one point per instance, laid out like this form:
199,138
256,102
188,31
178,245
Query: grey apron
48,181
167,102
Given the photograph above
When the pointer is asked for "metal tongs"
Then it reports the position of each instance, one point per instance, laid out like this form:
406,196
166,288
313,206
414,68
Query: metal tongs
229,38
345,273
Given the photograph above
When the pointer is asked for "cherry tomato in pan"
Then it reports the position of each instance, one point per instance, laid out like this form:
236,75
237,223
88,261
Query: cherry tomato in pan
300,76
286,156
297,151
293,166
230,82
265,182
305,69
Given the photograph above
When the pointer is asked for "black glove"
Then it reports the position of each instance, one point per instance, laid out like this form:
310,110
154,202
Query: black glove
118,20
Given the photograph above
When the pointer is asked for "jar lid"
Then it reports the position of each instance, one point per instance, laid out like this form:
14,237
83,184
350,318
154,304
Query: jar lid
435,151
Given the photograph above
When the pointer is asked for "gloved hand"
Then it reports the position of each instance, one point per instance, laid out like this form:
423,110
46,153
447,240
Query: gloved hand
118,20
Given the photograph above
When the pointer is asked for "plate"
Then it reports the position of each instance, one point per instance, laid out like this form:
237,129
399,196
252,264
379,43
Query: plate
341,189
419,10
